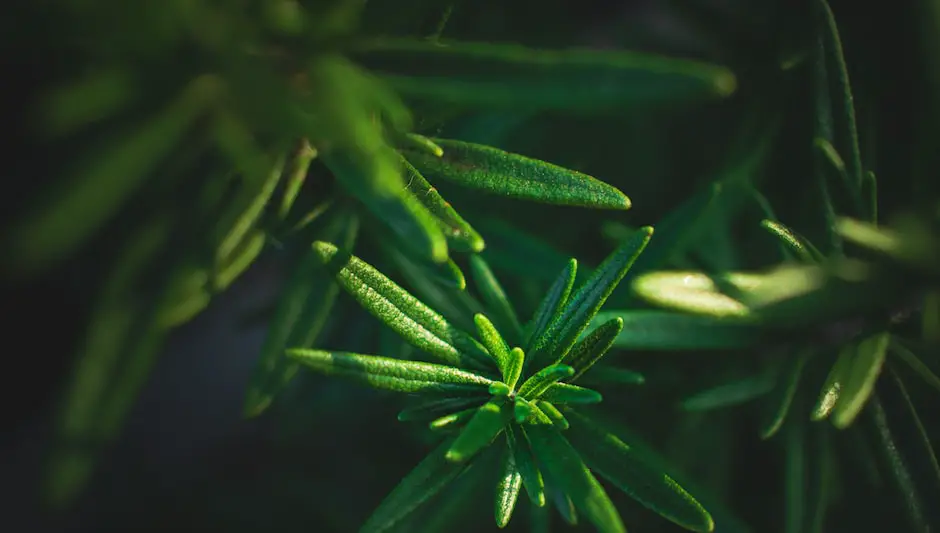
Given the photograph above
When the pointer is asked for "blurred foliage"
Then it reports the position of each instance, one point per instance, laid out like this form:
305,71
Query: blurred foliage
784,319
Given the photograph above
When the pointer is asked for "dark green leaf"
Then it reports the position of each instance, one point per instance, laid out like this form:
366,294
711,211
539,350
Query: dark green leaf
433,408
531,476
446,274
539,382
592,347
426,480
801,248
563,331
508,487
297,175
495,344
563,393
567,470
832,388
511,76
302,311
728,394
554,301
915,362
860,380
778,402
806,476
414,321
495,298
453,420
664,330
391,374
628,470
486,425
552,412
600,374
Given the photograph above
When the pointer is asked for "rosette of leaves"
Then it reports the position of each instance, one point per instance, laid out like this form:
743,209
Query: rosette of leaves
265,95
510,387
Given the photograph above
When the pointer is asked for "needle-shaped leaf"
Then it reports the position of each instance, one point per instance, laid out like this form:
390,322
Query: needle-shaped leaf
414,321
565,393
486,424
533,387
494,343
392,374
666,330
626,468
297,175
519,78
302,311
552,303
570,475
514,368
236,223
552,412
498,388
914,247
592,347
514,176
496,300
930,317
898,349
806,478
860,379
778,402
508,487
906,452
563,331
513,250
427,479
692,292
414,141
525,462
377,182
433,408
601,374
799,247
461,236
446,274
731,393
453,420
832,388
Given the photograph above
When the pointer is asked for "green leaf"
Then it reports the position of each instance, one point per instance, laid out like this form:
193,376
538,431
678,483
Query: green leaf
446,274
806,477
554,301
433,408
729,394
296,177
525,462
426,480
901,351
460,235
237,225
508,487
914,247
519,78
376,181
666,330
930,317
591,348
494,343
860,379
552,412
414,321
514,176
626,468
391,374
414,141
453,420
791,241
498,388
486,425
543,379
510,249
832,388
566,468
564,393
906,452
563,331
514,369
781,396
496,300
600,374
71,213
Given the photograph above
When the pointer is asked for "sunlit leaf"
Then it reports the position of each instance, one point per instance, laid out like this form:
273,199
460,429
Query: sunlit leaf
860,379
592,347
495,344
528,470
487,423
543,379
552,303
508,487
564,393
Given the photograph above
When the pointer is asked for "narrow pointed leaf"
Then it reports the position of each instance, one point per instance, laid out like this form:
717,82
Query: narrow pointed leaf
553,302
519,78
778,402
563,331
790,240
832,388
414,321
860,380
570,475
433,408
543,379
515,176
552,412
376,181
729,394
806,477
565,393
244,220
930,319
460,235
453,420
494,343
624,466
427,479
414,141
391,374
906,452
600,374
495,299
523,410
446,274
917,365
591,348
296,177
692,292
514,368
513,250
486,424
498,388
525,462
914,248
665,330
508,487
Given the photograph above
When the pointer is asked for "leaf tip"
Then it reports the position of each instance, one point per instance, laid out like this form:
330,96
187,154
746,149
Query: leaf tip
725,83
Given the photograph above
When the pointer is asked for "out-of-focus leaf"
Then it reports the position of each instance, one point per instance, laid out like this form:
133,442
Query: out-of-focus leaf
461,236
860,380
665,330
511,76
487,423
731,393
496,300
778,402
514,176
